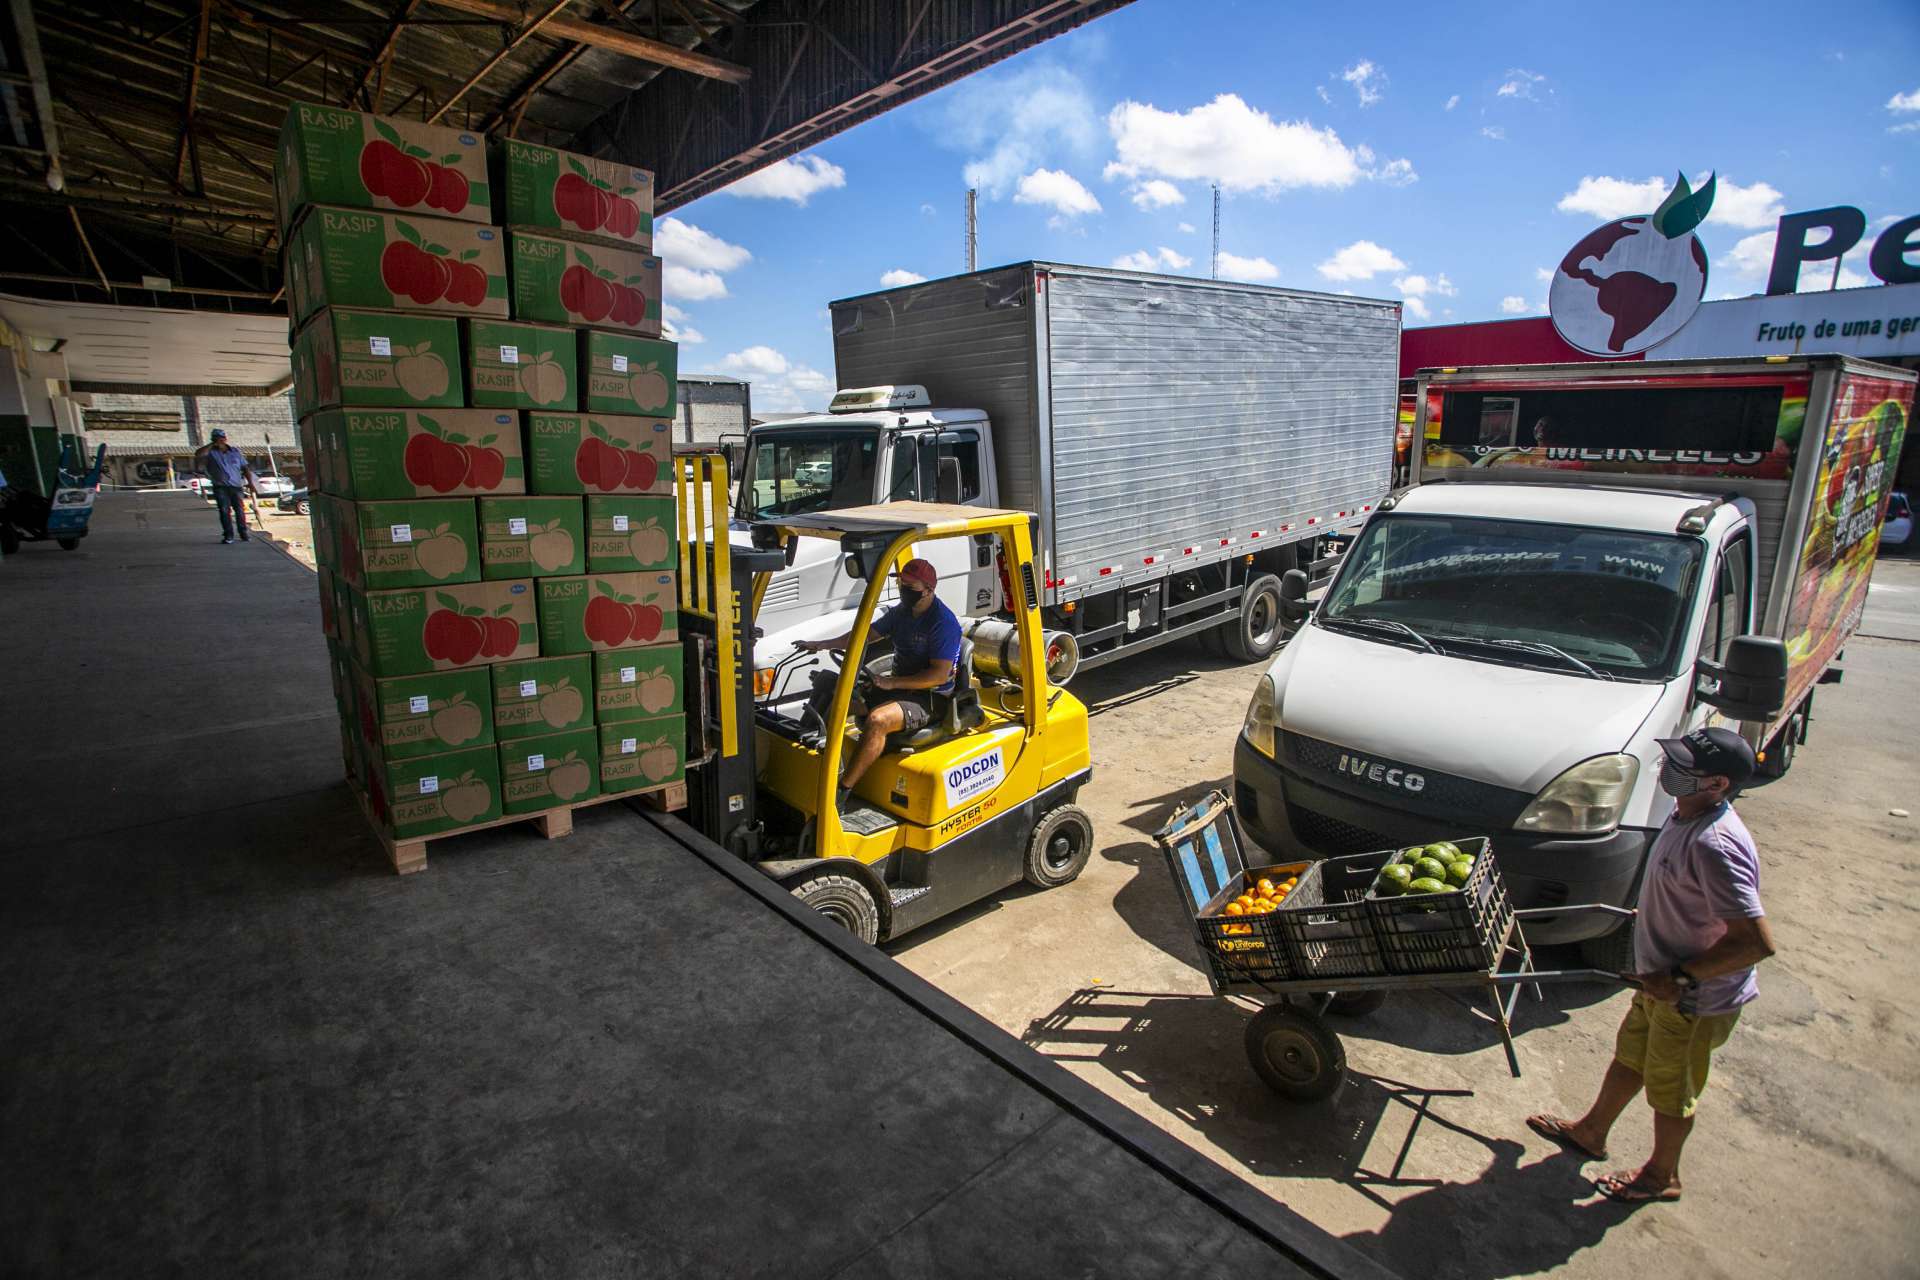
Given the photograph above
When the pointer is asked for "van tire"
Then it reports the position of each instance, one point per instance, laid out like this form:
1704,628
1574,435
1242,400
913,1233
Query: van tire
1257,632
1781,750
1058,850
844,901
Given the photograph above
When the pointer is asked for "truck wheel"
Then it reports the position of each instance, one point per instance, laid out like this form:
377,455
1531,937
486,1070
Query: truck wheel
1781,750
1612,952
1295,1054
67,544
843,900
1259,629
1061,844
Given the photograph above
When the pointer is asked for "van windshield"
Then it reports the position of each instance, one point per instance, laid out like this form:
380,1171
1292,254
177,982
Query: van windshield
790,473
1610,602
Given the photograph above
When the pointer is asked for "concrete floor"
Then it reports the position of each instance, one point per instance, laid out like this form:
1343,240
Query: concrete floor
1806,1159
232,1043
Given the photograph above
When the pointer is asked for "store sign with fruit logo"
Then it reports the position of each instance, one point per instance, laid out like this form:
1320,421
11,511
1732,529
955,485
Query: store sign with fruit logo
1632,284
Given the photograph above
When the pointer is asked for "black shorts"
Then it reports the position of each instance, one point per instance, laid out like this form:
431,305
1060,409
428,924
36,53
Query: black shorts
916,708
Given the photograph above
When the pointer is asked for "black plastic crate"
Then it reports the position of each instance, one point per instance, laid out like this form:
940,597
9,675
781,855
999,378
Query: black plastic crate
1446,932
1327,923
1204,848
1240,949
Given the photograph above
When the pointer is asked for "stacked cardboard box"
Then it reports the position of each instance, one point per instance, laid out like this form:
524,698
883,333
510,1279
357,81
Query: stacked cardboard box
486,406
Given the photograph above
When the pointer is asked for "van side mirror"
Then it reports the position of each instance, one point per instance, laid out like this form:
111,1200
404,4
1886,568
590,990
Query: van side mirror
1753,680
1293,596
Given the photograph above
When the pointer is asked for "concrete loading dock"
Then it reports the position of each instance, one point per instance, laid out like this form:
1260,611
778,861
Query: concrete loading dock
237,1044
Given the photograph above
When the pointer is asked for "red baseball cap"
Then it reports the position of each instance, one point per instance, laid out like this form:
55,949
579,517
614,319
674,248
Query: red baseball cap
920,571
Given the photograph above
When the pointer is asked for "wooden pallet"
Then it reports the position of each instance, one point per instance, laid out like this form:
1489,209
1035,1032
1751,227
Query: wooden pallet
410,854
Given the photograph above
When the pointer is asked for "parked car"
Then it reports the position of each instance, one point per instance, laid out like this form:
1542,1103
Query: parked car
815,474
272,486
1896,533
294,501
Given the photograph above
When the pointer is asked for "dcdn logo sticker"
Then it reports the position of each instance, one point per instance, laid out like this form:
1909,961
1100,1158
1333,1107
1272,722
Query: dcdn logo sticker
973,778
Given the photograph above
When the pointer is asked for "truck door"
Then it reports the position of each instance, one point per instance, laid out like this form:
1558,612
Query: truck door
1729,609
949,467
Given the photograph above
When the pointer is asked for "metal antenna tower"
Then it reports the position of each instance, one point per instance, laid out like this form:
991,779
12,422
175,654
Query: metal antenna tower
973,230
1216,231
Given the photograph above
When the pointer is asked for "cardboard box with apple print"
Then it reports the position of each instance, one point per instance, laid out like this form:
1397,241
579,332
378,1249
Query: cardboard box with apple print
538,696
423,714
531,537
607,611
599,453
521,366
363,258
638,754
628,374
632,535
329,156
415,629
546,772
573,195
638,684
414,542
419,795
329,624
376,358
566,282
399,453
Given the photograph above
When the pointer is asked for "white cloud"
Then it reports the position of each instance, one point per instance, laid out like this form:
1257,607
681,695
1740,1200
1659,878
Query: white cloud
1228,142
1911,126
755,362
1009,125
1157,193
1161,259
1543,274
1750,262
1513,304
686,245
1252,270
686,283
898,276
1904,101
1755,205
1520,83
1369,82
1186,228
1452,102
1395,173
1361,260
1415,308
677,326
928,210
1058,190
1416,286
1493,131
779,384
1324,95
797,178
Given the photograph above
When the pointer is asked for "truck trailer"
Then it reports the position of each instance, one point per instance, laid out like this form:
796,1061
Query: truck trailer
1183,442
1589,558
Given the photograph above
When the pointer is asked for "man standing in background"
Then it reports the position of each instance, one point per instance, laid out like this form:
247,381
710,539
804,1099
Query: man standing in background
227,471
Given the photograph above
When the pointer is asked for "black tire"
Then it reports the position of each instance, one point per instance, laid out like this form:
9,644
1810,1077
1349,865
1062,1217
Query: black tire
1356,1004
1612,952
1295,1054
68,544
1785,744
303,508
843,900
1257,632
1058,850
9,541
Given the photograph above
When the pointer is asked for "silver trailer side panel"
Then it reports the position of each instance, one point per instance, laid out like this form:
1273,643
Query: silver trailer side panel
1144,415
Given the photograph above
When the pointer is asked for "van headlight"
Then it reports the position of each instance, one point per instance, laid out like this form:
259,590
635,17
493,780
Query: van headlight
1259,726
1585,800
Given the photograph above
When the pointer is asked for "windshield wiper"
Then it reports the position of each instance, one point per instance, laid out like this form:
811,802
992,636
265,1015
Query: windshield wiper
1539,646
1400,628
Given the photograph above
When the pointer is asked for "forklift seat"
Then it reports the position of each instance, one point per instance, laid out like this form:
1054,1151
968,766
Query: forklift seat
952,713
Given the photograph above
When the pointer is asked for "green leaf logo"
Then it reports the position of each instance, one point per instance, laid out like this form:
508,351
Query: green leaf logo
1684,208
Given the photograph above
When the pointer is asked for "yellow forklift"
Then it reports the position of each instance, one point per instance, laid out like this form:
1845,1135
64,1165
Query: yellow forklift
979,799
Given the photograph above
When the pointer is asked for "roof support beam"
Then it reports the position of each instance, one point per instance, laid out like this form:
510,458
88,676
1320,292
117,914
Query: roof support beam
603,37
377,69
42,95
88,246
505,49
187,142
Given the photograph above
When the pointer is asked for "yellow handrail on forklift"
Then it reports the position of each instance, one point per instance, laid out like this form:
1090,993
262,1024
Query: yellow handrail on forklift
706,582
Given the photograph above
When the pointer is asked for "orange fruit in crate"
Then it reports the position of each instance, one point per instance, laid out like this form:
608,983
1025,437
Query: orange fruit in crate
1235,909
1265,886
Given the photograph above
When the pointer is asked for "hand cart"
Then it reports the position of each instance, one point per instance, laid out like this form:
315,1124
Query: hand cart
1332,947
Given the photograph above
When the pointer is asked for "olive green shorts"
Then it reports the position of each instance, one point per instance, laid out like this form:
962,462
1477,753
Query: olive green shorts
1671,1050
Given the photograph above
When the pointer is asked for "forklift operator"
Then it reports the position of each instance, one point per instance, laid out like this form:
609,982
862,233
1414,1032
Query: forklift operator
926,649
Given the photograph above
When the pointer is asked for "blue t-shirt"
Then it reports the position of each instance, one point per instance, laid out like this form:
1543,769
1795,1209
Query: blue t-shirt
1700,874
227,466
920,640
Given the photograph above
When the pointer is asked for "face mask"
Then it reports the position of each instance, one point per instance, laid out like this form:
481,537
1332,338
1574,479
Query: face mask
1677,782
912,595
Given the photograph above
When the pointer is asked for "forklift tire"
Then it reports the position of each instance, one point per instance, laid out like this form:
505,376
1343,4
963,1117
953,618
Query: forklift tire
68,544
1257,632
844,901
1061,844
1295,1054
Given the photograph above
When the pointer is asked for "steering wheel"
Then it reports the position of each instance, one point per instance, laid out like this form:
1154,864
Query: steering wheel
1603,621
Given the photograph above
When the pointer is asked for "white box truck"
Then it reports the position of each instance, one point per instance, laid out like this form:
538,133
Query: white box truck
1183,443
1590,557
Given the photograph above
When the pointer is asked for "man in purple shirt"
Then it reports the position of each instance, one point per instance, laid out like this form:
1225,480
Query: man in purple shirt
227,470
1700,932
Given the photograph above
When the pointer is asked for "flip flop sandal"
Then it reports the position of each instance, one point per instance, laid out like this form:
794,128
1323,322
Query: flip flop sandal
1554,1129
1630,1191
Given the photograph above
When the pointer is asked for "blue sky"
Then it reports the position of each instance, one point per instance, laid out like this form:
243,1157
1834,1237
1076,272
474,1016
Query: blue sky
1444,154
